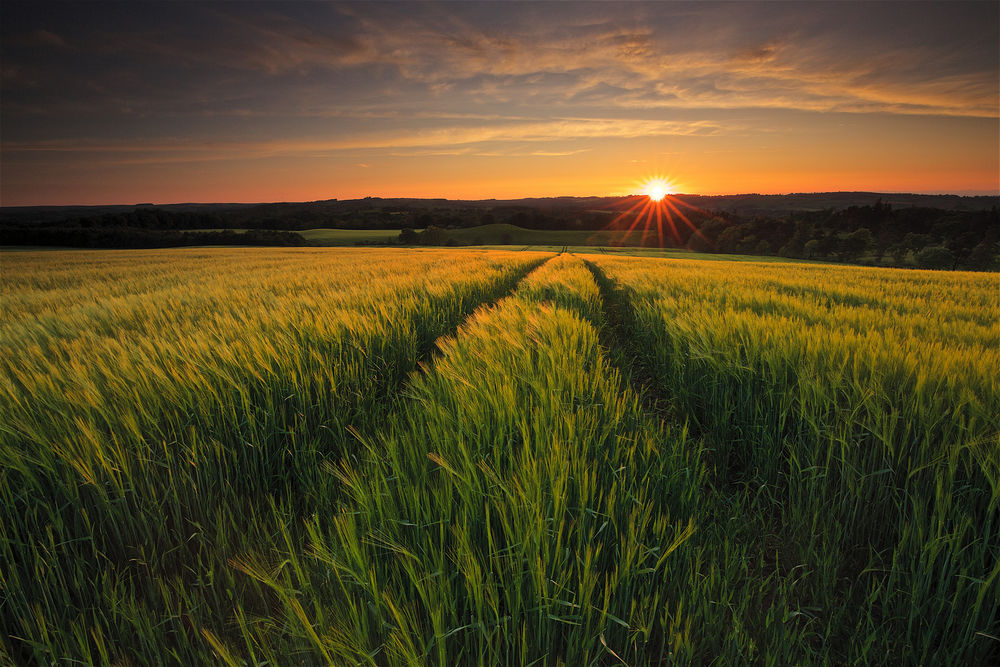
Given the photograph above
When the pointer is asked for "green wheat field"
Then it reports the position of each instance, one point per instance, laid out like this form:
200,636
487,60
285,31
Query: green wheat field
486,457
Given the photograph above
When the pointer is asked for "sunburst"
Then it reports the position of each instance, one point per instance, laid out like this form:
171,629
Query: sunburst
656,211
657,188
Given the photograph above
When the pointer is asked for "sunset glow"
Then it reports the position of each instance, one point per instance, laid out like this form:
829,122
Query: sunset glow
657,188
299,101
656,214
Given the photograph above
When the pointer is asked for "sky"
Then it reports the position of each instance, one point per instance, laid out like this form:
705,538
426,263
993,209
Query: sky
123,103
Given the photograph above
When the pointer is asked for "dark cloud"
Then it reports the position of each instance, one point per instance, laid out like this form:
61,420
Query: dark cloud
212,56
45,38
759,54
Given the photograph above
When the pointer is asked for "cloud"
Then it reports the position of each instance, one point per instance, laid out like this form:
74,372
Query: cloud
251,40
444,141
760,54
305,60
558,153
795,62
47,38
189,82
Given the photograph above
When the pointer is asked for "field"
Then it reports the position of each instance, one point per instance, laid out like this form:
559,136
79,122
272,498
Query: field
477,456
492,234
344,237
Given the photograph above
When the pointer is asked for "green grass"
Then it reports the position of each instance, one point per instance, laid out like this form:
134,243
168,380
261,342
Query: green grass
500,236
487,235
499,233
337,237
493,234
426,456
347,237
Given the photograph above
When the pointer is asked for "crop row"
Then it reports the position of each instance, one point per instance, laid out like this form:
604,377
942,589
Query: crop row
522,507
150,433
853,418
519,508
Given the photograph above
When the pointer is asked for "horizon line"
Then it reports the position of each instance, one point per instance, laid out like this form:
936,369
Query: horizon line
961,193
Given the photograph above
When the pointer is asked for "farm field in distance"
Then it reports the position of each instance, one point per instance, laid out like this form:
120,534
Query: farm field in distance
491,234
478,456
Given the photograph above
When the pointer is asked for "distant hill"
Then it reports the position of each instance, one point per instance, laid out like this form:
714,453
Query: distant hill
239,215
755,204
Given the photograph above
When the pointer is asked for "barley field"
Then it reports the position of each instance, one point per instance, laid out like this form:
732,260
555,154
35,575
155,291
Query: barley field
484,457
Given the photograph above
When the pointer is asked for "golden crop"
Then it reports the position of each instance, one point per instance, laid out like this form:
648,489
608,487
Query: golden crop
354,456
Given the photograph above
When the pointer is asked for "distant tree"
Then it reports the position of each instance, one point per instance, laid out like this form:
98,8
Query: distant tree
812,249
434,236
748,245
704,240
935,257
898,252
646,239
794,246
729,240
916,242
858,242
788,250
700,242
408,236
983,257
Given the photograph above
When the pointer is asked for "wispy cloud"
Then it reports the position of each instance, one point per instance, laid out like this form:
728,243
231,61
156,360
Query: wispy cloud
459,141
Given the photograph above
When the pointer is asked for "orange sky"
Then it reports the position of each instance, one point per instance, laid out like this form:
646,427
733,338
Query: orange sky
172,102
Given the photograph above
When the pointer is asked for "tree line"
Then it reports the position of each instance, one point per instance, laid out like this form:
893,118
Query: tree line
297,217
877,234
130,237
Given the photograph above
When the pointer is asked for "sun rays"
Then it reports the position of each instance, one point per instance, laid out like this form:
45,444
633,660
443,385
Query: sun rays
657,188
656,214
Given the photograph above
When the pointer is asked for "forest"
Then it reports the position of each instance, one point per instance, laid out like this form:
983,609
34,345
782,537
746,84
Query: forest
877,234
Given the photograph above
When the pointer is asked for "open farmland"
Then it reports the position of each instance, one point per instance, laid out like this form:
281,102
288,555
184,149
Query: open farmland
387,457
489,234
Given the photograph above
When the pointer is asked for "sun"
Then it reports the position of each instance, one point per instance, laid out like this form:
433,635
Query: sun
657,188
654,215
